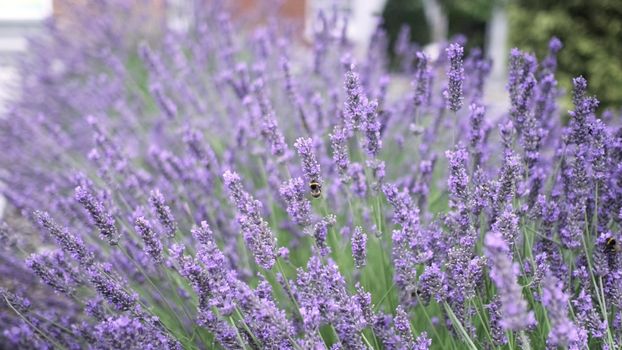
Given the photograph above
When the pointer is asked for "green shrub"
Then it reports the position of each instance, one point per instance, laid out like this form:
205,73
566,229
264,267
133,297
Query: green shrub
592,35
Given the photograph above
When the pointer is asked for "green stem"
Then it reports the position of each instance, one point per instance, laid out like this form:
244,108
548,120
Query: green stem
460,327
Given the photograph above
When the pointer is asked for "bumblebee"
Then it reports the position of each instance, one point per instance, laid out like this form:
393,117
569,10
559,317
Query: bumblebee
316,189
613,245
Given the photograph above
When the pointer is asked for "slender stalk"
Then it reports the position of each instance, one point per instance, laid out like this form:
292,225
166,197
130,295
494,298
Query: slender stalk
460,327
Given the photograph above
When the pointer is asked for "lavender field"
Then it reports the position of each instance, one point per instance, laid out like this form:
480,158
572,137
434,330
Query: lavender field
229,187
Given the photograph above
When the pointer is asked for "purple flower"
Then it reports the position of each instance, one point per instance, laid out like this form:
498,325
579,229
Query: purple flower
453,93
401,322
323,299
153,246
257,234
587,316
584,110
269,127
54,270
421,82
458,178
166,104
266,321
298,207
341,158
355,104
423,342
521,103
310,165
496,326
225,334
550,62
371,126
503,272
70,244
432,284
506,184
320,233
410,243
163,213
203,234
522,66
363,299
359,181
563,331
507,226
200,150
125,332
476,132
102,218
111,290
359,247
294,96
378,173
477,69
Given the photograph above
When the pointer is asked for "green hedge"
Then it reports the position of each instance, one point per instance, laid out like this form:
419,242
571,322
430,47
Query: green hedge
592,35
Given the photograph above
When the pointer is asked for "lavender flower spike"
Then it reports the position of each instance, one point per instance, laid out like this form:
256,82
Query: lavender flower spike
514,313
163,213
69,243
257,234
371,126
269,126
354,106
112,290
341,158
454,94
166,104
153,246
298,207
563,331
458,177
421,81
310,165
54,270
359,247
402,327
102,218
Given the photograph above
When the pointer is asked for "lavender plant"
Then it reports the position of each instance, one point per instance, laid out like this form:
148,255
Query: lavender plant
223,188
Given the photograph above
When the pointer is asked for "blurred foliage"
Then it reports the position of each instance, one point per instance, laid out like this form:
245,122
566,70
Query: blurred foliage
592,35
479,10
464,17
406,12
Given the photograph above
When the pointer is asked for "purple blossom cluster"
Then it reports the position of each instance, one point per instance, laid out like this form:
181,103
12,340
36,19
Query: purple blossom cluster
211,188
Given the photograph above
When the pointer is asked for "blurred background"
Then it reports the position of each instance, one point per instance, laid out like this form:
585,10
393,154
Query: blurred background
591,30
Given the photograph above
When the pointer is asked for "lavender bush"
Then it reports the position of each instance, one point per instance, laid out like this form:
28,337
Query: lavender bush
227,188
